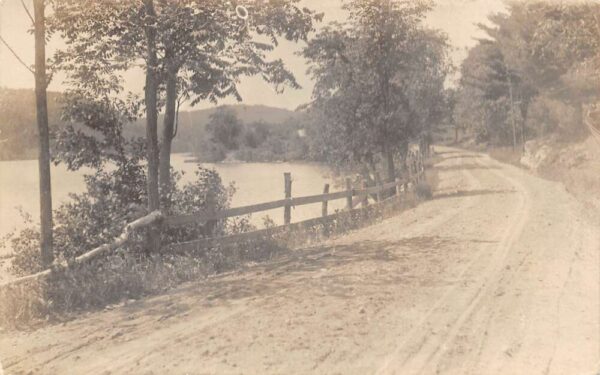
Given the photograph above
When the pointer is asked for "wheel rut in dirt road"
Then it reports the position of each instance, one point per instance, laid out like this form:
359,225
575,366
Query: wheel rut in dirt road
515,321
419,351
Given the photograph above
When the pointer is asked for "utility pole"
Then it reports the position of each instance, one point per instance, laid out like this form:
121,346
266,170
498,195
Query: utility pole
41,82
512,111
522,129
1,80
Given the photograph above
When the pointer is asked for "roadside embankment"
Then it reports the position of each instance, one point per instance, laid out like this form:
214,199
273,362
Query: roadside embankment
575,165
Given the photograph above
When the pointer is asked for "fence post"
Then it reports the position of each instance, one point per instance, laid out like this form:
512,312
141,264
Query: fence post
324,206
416,168
287,211
349,191
421,168
378,184
413,168
365,198
409,167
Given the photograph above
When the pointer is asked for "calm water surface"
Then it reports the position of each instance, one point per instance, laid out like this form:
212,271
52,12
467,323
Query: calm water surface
255,183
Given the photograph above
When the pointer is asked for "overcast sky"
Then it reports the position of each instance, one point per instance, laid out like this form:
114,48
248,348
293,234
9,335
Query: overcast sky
458,18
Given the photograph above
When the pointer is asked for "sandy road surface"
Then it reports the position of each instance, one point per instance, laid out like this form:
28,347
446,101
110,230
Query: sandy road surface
498,274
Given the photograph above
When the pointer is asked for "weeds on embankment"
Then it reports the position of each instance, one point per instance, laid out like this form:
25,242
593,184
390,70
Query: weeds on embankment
108,280
130,274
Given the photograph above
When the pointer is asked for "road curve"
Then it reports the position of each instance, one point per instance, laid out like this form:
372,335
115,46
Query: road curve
498,274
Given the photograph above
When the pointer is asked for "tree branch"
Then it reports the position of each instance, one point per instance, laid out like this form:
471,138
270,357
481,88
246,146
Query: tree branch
16,56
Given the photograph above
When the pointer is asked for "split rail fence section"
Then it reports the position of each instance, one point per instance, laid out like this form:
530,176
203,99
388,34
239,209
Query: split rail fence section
354,197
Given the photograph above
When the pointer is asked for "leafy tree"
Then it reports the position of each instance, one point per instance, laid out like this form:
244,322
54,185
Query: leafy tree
487,97
546,40
548,55
225,128
116,189
375,75
202,48
255,134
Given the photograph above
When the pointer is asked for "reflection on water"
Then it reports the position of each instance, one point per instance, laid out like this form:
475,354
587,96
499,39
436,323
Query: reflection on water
255,183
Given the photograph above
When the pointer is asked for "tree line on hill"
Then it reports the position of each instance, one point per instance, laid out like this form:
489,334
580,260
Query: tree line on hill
266,133
228,138
18,131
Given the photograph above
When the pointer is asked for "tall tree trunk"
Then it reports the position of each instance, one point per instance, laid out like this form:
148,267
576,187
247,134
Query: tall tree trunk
168,133
47,254
151,121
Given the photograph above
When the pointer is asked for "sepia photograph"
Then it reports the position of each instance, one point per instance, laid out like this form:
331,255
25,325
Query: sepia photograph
398,187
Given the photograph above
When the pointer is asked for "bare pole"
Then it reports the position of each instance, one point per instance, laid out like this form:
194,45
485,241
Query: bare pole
324,204
512,112
350,194
287,211
41,83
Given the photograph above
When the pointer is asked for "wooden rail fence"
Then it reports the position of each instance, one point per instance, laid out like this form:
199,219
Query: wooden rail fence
287,203
353,197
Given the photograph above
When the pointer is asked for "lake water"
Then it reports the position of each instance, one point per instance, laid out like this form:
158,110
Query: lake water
255,183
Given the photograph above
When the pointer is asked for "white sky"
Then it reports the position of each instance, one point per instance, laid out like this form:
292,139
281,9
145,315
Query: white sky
458,18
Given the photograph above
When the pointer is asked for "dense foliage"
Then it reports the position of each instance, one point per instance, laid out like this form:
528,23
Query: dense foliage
379,82
534,75
227,137
190,49
115,192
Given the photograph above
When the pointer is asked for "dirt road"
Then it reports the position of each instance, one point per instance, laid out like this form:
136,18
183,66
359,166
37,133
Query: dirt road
498,274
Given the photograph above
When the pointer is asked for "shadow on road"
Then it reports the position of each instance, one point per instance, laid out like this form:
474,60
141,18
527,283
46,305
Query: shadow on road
316,265
464,167
448,152
470,193
463,156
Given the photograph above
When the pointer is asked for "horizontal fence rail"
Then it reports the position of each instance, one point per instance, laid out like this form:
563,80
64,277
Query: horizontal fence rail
129,229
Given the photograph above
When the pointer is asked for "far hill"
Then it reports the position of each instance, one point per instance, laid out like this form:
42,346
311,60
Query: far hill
18,129
18,133
247,114
192,123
